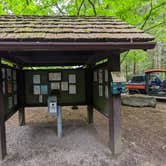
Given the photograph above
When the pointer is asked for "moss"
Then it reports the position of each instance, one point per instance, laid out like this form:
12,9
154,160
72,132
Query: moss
87,30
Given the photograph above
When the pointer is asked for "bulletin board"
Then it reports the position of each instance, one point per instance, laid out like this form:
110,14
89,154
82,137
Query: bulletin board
101,89
10,90
40,83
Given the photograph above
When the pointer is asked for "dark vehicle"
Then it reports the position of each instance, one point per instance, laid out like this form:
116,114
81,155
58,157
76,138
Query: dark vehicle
137,85
152,83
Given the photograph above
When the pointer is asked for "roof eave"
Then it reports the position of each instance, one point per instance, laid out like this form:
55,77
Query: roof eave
73,46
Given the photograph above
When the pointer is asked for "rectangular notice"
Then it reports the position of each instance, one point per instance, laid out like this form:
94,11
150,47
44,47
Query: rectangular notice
36,79
40,98
106,75
100,74
100,90
64,86
106,91
44,89
55,76
36,89
72,78
55,85
72,89
3,73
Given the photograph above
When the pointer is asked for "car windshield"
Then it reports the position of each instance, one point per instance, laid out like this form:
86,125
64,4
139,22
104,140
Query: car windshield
138,79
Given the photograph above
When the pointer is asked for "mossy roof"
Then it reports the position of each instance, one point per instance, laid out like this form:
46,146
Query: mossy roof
63,29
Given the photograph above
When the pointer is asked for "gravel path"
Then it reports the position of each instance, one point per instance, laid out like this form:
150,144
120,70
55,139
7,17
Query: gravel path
36,144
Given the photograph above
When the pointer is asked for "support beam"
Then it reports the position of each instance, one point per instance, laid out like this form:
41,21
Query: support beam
3,149
115,124
89,93
114,108
90,114
21,96
21,116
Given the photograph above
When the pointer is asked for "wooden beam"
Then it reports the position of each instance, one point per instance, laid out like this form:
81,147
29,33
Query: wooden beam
21,96
115,124
21,116
89,93
90,114
3,149
114,61
114,108
52,64
73,46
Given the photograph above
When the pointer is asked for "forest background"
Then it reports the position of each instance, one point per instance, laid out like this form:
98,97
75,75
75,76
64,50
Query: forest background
148,15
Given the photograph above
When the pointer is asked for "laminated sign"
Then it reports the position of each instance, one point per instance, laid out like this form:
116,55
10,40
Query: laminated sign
118,77
72,78
106,75
55,76
55,85
64,86
36,89
36,79
3,73
100,90
72,89
44,89
100,74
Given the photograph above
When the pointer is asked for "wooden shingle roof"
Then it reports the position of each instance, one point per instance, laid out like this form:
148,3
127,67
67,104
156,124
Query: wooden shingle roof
69,29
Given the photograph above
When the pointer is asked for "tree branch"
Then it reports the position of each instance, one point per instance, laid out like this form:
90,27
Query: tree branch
85,8
124,57
93,6
151,11
78,9
164,22
148,16
60,10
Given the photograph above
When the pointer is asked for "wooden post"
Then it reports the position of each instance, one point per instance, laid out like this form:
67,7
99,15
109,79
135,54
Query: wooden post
21,116
114,124
89,93
90,114
3,149
21,97
114,108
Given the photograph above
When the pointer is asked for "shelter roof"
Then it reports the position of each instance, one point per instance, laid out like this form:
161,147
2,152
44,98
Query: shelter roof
69,29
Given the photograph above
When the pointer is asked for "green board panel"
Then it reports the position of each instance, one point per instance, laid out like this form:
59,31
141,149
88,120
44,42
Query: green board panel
100,90
9,87
32,99
100,103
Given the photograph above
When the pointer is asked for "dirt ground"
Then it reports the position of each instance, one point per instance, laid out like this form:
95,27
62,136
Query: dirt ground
36,144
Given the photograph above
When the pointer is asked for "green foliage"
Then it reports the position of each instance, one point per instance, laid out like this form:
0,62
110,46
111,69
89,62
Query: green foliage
145,14
148,15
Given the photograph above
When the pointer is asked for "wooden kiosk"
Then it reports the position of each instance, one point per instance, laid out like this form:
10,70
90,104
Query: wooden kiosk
83,42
